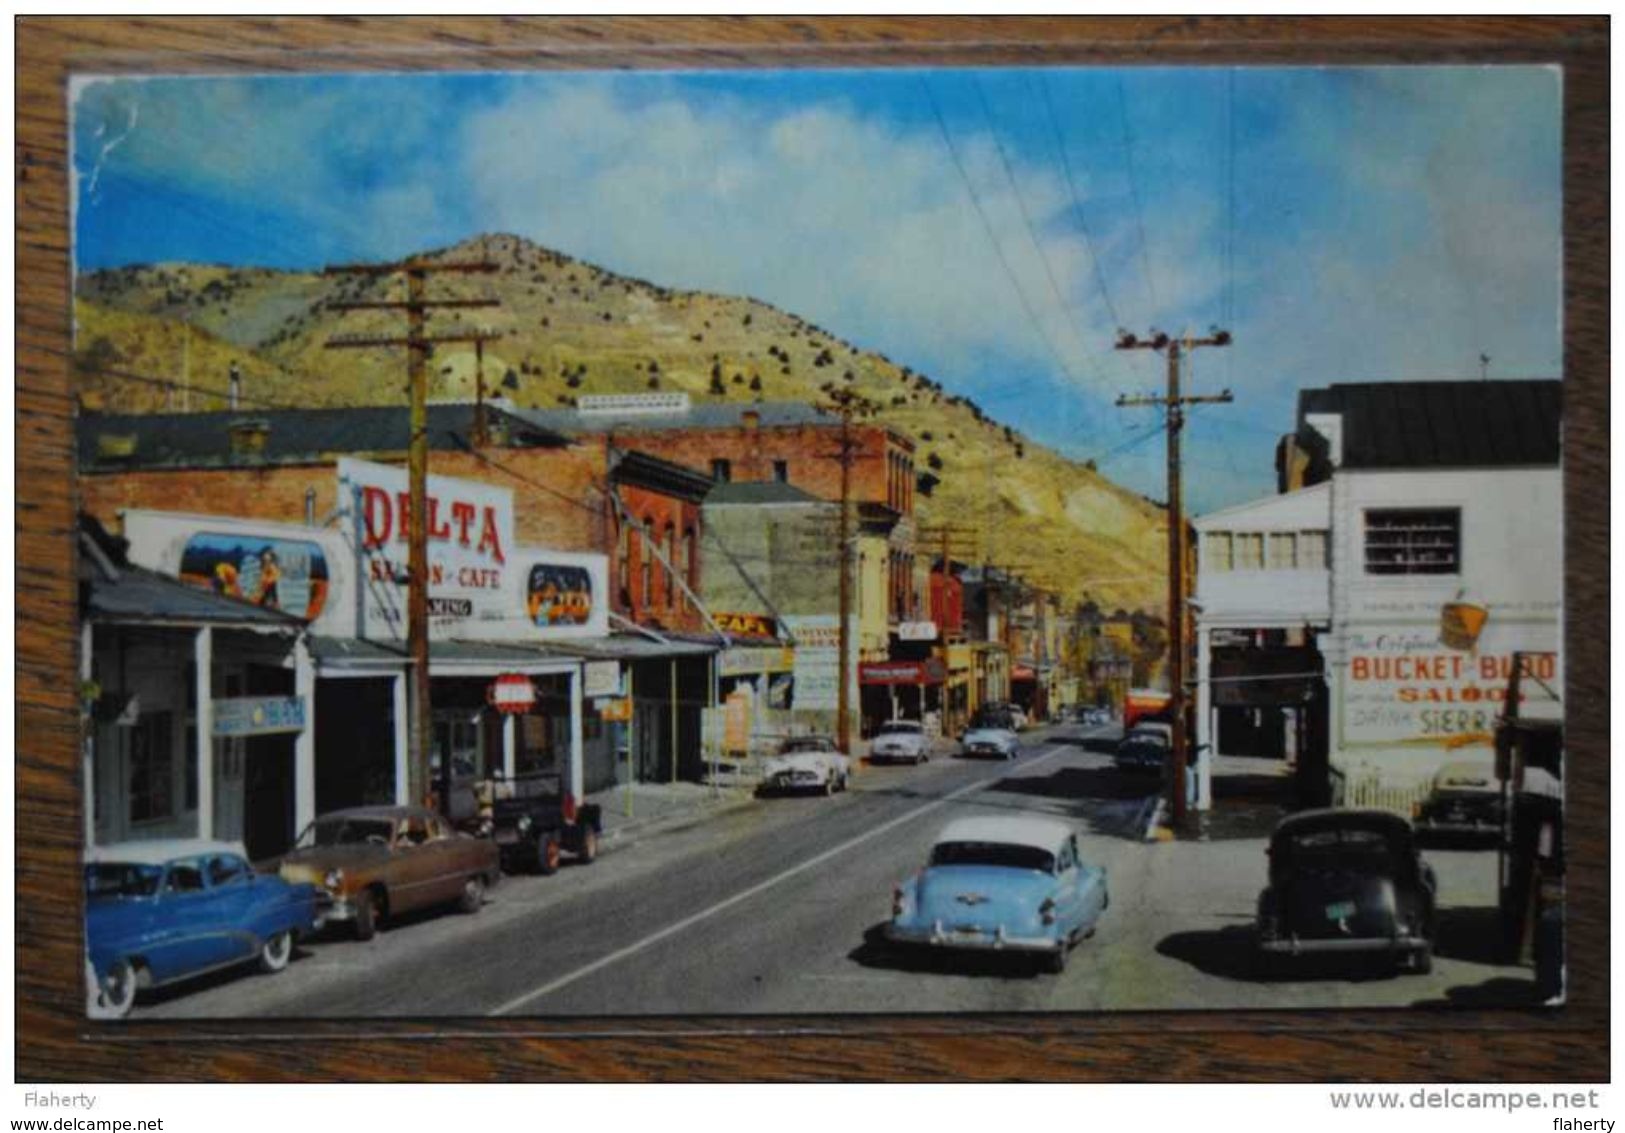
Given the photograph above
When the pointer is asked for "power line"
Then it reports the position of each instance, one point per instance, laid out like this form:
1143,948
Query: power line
1026,216
1134,189
992,237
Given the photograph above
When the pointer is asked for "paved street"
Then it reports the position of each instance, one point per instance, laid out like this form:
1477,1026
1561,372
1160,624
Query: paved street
775,907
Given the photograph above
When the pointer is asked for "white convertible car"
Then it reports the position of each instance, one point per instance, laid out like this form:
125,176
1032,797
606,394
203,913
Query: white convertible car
902,741
806,763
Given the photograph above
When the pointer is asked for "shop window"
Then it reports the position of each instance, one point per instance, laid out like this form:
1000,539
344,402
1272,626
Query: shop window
1413,541
1250,552
1283,550
1218,546
152,768
1311,550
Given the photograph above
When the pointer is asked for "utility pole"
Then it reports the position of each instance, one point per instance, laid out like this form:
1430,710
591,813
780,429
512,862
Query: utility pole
418,344
1173,403
847,404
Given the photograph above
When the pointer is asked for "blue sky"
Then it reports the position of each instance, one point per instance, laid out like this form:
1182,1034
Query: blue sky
989,228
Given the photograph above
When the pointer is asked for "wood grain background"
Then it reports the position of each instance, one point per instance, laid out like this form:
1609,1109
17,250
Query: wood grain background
54,1043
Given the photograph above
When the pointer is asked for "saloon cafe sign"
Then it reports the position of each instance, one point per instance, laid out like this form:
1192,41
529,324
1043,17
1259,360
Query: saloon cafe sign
470,536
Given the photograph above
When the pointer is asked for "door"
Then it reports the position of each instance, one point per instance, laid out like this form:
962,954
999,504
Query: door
231,905
230,757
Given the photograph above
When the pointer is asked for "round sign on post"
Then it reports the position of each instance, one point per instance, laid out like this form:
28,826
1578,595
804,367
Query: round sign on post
512,693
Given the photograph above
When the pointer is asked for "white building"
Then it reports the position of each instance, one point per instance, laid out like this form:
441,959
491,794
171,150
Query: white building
1399,499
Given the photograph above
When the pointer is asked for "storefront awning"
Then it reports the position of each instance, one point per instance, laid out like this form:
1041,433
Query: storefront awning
446,658
929,672
636,647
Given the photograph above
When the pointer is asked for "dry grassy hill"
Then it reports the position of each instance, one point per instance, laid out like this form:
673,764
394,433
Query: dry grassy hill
569,328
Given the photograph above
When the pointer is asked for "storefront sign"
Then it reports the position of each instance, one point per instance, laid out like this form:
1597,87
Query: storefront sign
617,710
917,631
280,574
511,693
748,625
470,538
258,715
930,672
736,723
601,678
1404,686
747,662
817,660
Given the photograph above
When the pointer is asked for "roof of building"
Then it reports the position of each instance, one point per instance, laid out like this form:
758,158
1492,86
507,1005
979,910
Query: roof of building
656,474
701,415
294,436
1449,424
760,492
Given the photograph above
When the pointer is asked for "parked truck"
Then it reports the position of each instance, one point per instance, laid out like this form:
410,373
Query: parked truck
535,821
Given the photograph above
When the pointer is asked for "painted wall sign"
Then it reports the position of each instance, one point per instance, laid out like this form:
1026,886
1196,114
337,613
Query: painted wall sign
748,625
817,660
1405,687
470,538
929,672
258,715
748,661
558,594
279,574
917,631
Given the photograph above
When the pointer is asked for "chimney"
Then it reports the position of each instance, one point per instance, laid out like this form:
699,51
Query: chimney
248,437
236,385
751,418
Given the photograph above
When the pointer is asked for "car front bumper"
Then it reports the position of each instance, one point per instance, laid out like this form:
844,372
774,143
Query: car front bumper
939,935
1298,946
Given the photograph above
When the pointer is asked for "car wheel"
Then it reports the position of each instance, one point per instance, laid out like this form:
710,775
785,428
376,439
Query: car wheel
547,854
118,990
473,894
276,951
1422,960
1055,962
365,923
589,846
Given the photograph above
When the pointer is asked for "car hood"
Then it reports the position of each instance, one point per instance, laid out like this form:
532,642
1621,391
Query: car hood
312,864
973,894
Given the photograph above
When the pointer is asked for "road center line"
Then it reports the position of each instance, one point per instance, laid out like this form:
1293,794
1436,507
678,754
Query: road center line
763,886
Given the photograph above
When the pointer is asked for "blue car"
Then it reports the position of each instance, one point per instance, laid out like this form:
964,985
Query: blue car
1002,884
163,911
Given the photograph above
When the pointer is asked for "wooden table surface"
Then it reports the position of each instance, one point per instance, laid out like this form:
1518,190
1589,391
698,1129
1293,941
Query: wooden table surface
55,1044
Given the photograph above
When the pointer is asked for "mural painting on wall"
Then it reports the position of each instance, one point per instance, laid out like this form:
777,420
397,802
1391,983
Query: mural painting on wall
279,574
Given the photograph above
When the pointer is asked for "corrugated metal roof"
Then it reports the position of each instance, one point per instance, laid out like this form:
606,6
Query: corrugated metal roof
760,492
704,415
1451,424
141,595
190,440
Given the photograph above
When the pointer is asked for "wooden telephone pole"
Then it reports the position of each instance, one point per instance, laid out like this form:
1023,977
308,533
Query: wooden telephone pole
418,345
1173,403
847,404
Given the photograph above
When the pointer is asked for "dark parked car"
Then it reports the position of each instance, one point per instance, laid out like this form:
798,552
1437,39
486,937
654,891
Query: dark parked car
1347,881
1465,800
1141,752
533,818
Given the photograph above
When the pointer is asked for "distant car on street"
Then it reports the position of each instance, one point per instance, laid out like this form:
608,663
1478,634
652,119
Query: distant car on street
1002,884
1141,752
901,741
164,911
1347,882
1000,743
1465,800
373,862
806,763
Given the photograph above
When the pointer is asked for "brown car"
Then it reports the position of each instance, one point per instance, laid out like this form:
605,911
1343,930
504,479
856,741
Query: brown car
373,862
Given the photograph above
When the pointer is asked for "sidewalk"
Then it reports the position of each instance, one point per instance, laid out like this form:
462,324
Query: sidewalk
631,811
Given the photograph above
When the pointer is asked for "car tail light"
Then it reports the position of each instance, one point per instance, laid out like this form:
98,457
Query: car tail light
569,807
1046,911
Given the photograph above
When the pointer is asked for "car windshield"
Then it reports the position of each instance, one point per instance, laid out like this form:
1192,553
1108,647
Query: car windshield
1005,854
121,879
811,743
900,728
346,832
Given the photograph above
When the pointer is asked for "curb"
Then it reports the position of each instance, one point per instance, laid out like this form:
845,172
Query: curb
632,832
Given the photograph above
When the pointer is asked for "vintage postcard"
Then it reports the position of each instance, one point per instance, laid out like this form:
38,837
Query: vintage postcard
1054,539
